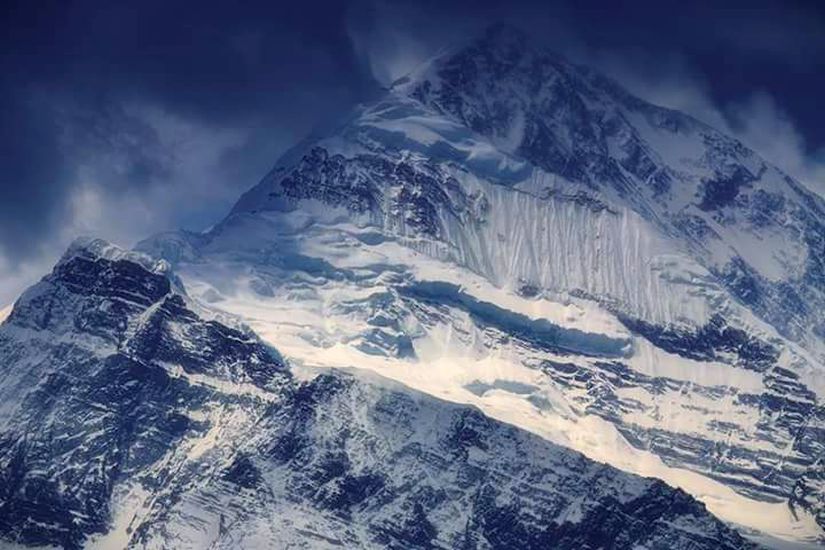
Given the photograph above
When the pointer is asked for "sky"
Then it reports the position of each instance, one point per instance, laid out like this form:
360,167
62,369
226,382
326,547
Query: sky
122,119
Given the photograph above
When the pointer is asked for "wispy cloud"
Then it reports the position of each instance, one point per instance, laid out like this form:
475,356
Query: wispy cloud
757,119
395,37
118,124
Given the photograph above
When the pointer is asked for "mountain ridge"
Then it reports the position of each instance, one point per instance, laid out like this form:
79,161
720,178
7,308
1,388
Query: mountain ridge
168,429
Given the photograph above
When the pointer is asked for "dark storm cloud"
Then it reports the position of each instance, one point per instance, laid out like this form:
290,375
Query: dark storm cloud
73,71
33,175
124,118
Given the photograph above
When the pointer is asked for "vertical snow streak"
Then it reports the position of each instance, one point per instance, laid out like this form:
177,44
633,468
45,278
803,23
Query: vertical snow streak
564,247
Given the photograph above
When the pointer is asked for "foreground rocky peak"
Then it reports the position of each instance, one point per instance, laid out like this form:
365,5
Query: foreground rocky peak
117,301
106,367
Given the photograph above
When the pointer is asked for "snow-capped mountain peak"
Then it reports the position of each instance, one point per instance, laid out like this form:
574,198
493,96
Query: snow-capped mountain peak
499,188
502,229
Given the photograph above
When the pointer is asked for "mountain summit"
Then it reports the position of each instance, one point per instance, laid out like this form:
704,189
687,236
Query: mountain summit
515,261
507,229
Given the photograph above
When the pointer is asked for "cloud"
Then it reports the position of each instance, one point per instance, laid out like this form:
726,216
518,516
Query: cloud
120,120
35,178
156,170
757,119
135,170
759,122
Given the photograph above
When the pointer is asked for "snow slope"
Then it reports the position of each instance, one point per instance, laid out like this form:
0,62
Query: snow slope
134,417
582,379
509,230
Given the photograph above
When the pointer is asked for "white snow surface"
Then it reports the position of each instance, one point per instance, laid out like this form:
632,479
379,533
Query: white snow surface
319,317
5,312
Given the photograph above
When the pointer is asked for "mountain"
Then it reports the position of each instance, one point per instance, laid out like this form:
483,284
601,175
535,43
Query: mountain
134,417
500,294
509,230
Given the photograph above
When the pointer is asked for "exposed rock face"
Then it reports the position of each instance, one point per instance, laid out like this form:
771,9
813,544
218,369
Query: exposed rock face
349,463
134,417
106,367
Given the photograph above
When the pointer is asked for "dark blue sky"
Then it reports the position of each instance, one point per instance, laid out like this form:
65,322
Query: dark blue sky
124,118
